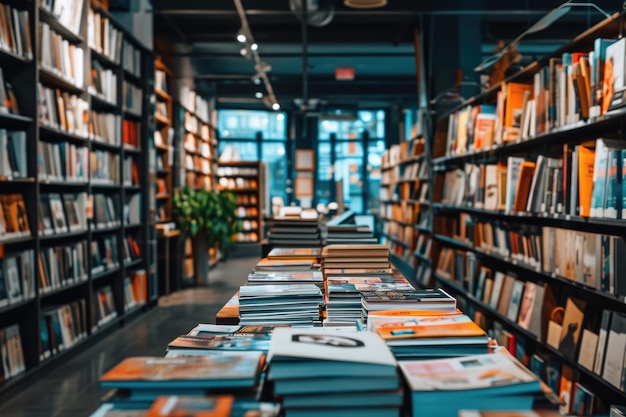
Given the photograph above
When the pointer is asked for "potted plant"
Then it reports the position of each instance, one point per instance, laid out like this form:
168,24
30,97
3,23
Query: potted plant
208,218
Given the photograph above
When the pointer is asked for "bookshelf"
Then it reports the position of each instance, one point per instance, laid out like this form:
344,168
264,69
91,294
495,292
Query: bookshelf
244,179
73,223
163,142
526,202
405,211
195,163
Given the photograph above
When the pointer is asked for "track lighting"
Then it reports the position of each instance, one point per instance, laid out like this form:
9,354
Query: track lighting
241,36
250,51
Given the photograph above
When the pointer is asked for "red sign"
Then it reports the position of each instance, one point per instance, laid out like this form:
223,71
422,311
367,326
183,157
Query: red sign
344,73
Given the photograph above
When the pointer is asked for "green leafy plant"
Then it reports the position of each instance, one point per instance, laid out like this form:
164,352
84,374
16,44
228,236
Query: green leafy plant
206,213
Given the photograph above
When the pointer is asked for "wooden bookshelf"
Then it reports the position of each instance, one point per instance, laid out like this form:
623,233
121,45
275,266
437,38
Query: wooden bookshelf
245,180
72,164
547,233
163,142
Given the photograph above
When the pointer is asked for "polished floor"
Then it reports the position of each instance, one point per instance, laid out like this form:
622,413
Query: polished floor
70,388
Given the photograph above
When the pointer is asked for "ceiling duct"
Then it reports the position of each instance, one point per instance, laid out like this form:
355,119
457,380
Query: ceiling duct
318,12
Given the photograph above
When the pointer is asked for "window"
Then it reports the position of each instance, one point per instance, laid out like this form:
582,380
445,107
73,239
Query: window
252,135
341,155
246,124
370,121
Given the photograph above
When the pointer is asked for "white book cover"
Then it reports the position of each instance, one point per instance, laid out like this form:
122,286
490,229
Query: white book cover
487,371
329,345
497,288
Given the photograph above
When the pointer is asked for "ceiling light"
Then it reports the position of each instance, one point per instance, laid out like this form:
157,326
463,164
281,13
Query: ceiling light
244,51
256,79
254,46
241,36
276,106
258,94
365,4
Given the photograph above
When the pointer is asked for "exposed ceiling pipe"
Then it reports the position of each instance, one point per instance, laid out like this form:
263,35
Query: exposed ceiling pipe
305,59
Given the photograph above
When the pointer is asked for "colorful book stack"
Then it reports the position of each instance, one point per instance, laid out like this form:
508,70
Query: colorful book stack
428,334
343,295
330,373
428,299
295,304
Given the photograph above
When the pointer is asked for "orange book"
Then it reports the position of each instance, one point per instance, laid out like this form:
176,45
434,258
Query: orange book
174,406
413,313
586,160
514,107
524,181
434,326
484,130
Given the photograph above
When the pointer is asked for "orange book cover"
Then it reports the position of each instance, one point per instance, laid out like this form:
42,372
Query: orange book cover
524,181
147,371
413,313
179,406
430,327
586,161
484,130
514,107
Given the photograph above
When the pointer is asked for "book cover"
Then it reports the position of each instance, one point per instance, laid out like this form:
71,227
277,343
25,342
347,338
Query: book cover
495,373
515,300
571,327
450,328
586,158
193,371
526,306
318,344
231,342
615,348
175,406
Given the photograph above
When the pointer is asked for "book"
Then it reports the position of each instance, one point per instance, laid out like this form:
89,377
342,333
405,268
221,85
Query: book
203,372
506,376
615,347
209,406
418,299
571,327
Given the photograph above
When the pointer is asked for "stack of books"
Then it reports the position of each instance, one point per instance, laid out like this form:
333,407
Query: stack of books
319,372
372,258
429,299
271,305
295,232
349,234
343,295
428,334
493,381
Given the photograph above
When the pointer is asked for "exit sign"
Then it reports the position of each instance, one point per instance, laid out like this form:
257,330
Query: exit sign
344,74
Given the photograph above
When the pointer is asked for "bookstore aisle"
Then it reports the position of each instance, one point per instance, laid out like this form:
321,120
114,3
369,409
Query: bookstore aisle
71,389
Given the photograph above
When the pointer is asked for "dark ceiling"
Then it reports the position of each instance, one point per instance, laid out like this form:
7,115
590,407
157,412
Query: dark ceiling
377,43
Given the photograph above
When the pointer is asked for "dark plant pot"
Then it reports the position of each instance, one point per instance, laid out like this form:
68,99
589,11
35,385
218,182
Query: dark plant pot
201,260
